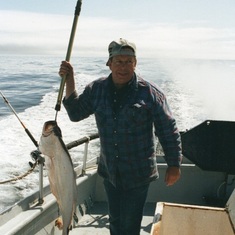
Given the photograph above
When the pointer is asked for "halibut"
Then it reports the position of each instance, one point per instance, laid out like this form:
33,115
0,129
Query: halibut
60,172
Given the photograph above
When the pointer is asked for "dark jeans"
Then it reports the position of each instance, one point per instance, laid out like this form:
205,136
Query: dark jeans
125,208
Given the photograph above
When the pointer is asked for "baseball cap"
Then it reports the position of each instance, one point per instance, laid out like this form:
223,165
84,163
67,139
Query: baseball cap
121,47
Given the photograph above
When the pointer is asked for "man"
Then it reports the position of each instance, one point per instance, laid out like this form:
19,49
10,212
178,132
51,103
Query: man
128,111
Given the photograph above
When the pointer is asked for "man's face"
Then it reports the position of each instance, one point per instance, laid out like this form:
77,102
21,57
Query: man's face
122,67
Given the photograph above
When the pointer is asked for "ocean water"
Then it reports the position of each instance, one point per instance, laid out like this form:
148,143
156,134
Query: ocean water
197,90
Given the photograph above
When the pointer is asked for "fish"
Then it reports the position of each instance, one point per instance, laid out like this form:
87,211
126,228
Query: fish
61,173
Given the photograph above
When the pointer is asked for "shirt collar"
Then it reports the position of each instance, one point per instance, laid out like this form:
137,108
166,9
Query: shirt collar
132,84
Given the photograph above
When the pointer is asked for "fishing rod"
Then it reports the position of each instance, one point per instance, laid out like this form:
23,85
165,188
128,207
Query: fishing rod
26,130
69,50
36,155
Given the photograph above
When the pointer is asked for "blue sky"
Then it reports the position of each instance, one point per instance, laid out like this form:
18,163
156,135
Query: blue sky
160,28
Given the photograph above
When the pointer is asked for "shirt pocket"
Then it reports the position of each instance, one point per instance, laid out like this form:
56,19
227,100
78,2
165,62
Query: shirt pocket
138,114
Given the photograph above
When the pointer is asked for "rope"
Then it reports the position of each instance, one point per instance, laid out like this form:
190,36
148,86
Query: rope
21,176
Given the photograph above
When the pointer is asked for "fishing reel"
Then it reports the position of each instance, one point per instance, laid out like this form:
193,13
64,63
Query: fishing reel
36,157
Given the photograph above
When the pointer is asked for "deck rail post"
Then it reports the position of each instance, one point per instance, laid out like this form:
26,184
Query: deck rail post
85,155
40,199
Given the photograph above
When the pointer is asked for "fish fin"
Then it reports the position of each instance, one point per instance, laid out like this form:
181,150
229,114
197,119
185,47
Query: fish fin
59,223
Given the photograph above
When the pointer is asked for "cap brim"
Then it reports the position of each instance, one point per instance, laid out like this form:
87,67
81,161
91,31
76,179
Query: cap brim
123,51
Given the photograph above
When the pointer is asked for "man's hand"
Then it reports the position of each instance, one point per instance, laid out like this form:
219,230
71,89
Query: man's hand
66,69
172,175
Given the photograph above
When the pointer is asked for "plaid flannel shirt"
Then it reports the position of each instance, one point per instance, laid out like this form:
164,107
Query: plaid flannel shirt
127,130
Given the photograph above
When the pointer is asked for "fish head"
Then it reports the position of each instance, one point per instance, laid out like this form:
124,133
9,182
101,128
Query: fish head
50,134
50,127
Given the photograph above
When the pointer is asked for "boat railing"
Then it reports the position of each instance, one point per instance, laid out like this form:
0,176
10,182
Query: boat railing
81,169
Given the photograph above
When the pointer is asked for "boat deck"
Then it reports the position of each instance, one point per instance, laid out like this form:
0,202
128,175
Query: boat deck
198,187
96,222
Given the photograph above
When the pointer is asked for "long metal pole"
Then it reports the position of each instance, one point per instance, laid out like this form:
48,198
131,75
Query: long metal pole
69,50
